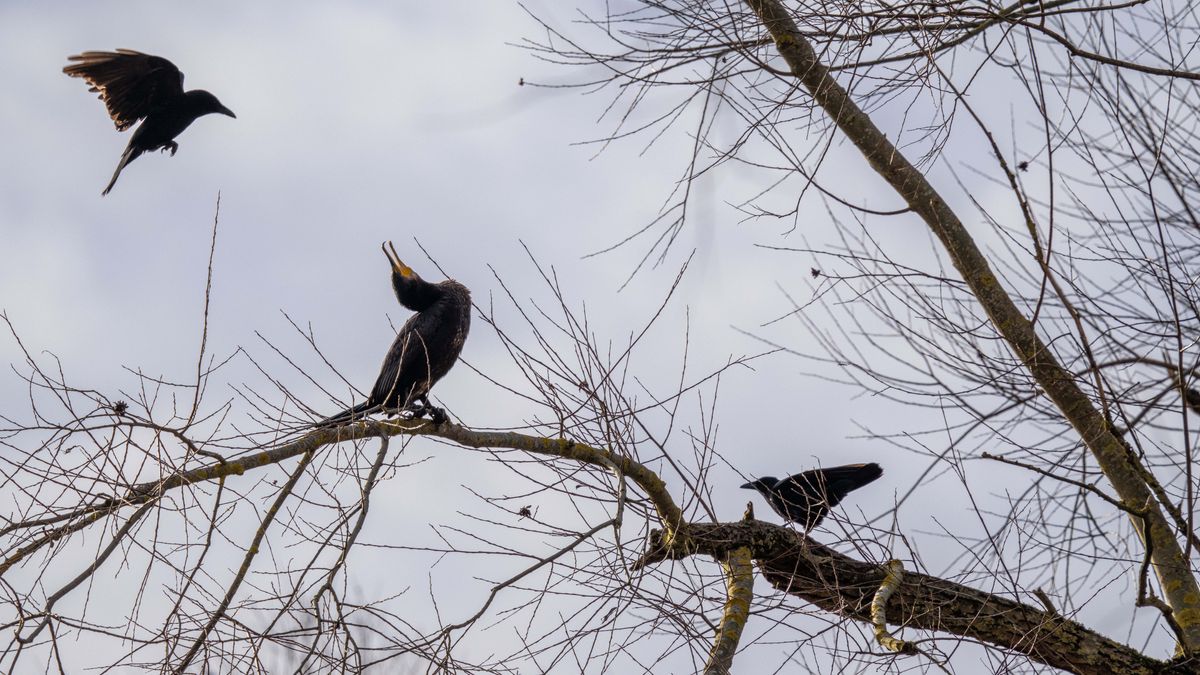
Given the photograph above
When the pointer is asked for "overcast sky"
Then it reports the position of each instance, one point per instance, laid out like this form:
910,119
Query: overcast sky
364,122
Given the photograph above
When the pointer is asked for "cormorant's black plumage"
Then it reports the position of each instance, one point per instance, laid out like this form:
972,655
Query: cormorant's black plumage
138,86
425,348
806,497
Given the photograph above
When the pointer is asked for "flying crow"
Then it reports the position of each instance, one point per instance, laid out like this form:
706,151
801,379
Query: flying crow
137,86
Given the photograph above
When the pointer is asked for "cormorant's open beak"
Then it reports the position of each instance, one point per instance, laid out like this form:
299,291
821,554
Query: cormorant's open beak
227,111
397,266
749,486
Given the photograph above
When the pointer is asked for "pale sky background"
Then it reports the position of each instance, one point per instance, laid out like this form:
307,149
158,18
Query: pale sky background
362,122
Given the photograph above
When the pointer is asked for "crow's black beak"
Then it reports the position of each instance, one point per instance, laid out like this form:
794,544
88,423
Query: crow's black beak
749,486
227,111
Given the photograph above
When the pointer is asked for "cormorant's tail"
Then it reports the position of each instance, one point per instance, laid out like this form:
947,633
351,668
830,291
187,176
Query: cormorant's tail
347,415
131,153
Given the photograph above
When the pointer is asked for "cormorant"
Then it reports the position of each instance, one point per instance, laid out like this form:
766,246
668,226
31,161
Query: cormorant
138,86
806,497
425,348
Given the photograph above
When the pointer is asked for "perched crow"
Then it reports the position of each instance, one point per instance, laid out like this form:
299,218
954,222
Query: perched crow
806,497
426,347
138,86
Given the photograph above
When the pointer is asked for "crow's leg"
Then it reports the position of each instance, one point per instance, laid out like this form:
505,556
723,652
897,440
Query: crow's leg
172,146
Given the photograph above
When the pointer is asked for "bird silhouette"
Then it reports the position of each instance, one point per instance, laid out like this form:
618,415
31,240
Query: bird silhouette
136,86
806,498
425,349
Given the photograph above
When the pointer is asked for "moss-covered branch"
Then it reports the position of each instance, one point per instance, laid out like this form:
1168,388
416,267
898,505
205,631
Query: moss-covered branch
739,592
844,586
892,578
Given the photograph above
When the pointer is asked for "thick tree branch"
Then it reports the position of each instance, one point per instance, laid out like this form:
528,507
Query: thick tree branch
739,592
844,586
1119,464
892,578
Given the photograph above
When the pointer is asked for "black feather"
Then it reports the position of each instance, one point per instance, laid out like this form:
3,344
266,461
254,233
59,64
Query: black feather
806,498
424,350
136,86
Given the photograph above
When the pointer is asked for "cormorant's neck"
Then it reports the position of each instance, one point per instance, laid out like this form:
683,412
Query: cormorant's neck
414,292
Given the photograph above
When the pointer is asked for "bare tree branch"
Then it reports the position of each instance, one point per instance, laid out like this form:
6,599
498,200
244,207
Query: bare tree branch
799,566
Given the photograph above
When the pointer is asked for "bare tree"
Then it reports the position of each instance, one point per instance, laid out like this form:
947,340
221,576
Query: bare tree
1064,348
1061,343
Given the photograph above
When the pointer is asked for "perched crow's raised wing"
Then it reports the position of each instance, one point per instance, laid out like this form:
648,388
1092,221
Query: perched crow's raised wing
130,83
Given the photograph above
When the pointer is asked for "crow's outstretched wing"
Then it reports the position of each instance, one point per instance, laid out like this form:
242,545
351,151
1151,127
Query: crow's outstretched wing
131,84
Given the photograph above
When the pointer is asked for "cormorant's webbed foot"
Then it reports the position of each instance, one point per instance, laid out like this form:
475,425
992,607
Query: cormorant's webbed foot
437,416
421,407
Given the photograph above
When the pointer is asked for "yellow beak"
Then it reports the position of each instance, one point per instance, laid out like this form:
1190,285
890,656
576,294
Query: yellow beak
398,266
